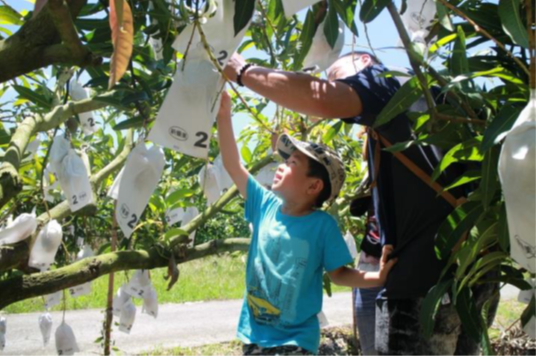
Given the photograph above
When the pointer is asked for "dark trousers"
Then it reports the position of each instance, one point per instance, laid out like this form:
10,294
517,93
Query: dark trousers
398,326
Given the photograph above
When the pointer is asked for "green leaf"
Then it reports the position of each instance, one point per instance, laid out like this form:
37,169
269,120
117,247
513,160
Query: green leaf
457,223
8,16
503,233
483,266
443,16
243,13
346,10
173,233
471,251
33,96
465,178
529,312
326,283
465,151
331,25
469,316
400,102
306,40
430,306
458,63
332,131
245,152
502,123
179,194
130,123
371,9
490,177
512,22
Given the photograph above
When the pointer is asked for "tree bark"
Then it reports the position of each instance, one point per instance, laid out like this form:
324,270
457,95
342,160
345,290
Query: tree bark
10,182
37,44
23,287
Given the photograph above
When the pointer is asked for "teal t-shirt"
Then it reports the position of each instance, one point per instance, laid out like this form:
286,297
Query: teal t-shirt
284,270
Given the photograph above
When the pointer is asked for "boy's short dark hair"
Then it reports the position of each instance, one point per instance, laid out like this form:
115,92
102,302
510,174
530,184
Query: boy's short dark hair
317,170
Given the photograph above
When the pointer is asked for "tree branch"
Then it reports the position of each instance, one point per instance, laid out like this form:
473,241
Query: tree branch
18,288
10,182
12,256
61,17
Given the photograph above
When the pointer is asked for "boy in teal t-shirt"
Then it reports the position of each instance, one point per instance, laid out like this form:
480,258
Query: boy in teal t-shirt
292,244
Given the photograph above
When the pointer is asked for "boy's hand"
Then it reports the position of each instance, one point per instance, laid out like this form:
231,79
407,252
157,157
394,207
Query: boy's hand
385,265
225,106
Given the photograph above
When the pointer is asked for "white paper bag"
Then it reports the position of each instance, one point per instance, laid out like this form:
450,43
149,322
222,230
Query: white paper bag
293,6
45,325
418,17
139,285
74,181
119,300
517,172
184,122
224,179
87,119
113,192
19,229
128,315
142,173
49,187
53,299
150,303
266,175
209,183
321,56
46,245
322,319
350,242
59,150
85,288
33,146
65,340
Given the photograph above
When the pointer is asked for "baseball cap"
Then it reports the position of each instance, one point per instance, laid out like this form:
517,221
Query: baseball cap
287,144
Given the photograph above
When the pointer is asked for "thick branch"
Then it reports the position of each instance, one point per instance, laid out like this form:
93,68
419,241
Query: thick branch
61,17
14,255
10,183
27,286
37,44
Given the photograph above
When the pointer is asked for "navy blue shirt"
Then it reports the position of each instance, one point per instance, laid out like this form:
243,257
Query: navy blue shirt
409,212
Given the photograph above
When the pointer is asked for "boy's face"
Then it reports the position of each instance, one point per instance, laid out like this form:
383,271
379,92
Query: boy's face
291,181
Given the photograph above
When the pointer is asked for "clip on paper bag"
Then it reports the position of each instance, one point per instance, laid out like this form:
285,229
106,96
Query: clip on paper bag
19,229
119,300
74,180
209,182
143,170
321,56
184,122
517,172
3,329
139,284
65,340
150,303
85,288
45,325
87,119
293,6
418,18
128,314
46,245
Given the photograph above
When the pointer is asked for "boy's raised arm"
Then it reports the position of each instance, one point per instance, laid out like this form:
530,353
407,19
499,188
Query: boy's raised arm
229,152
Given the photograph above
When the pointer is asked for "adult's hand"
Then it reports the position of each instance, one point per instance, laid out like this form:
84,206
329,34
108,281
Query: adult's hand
233,66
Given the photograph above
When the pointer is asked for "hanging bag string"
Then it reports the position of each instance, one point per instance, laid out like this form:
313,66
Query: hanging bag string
413,168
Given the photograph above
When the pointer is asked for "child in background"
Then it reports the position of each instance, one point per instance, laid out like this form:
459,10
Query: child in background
292,243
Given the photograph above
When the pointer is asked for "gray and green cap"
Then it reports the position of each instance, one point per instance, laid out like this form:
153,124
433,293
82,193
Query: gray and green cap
287,144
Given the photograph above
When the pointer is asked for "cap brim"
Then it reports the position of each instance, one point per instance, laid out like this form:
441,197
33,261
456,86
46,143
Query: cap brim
287,144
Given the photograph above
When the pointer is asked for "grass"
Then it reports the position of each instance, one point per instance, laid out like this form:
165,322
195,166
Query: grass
213,278
508,312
